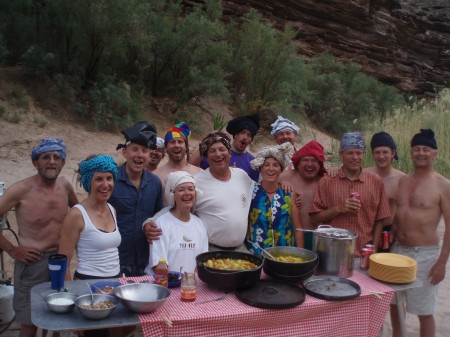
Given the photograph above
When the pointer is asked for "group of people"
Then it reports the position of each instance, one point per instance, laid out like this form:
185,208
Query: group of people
221,197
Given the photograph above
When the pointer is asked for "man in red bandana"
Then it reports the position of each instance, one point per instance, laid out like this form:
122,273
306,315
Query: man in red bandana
304,177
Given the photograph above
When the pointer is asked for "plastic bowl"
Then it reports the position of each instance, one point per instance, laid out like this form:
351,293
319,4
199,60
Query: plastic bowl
61,302
142,297
174,279
95,314
104,287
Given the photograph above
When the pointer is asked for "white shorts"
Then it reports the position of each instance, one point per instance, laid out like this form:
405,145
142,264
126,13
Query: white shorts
420,301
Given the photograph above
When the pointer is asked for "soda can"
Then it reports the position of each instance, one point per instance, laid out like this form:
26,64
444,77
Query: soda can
364,258
371,248
386,239
355,195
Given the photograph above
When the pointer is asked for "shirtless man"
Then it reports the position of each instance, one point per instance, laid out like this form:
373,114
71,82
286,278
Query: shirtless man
384,151
177,147
304,176
41,203
156,155
423,198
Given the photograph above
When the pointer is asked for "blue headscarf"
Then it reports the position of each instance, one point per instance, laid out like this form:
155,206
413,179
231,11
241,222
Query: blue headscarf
352,140
101,163
48,145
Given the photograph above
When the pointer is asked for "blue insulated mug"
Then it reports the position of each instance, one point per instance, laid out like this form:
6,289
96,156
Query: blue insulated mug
57,265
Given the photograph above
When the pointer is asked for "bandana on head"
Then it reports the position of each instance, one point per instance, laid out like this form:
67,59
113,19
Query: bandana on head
352,140
282,124
312,149
424,137
383,138
142,133
212,138
101,163
282,153
48,145
180,130
237,124
160,143
173,179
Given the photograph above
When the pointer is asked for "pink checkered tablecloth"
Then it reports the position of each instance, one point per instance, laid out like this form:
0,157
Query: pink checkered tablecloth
359,317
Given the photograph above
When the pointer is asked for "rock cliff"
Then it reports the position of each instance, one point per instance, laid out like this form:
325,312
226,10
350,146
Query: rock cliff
402,43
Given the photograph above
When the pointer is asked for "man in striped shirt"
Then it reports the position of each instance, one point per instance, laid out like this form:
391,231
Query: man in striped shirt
334,204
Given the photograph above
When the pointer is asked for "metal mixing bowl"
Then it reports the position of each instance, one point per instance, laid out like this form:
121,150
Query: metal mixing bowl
142,297
62,302
95,313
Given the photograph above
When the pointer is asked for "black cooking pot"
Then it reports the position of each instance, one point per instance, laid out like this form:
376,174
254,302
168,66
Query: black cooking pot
293,272
228,279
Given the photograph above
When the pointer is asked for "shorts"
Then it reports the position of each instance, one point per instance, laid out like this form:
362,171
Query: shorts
26,276
420,301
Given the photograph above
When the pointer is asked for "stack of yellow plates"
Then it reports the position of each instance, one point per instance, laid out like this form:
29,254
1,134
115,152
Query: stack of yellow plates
393,268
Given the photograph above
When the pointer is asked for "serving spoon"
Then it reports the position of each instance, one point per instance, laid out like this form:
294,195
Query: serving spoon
256,245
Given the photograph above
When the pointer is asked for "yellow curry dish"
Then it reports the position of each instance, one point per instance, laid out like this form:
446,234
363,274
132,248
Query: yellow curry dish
290,259
230,264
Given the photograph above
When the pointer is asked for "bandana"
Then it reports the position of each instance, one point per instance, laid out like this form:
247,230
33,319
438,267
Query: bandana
88,167
180,130
282,124
313,149
173,179
142,133
352,140
48,145
383,138
424,137
282,153
160,143
237,124
212,138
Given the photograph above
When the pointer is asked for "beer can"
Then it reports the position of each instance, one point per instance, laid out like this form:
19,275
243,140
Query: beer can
371,248
355,195
386,239
364,258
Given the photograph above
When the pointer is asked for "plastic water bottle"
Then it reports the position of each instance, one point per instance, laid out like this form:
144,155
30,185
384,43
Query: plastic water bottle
162,273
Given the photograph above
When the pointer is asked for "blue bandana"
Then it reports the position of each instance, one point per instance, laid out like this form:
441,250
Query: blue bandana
101,163
48,145
352,140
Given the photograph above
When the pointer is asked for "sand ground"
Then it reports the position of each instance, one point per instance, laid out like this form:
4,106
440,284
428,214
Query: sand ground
17,140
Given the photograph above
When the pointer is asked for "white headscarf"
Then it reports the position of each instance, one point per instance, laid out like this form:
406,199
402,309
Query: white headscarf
282,124
159,143
174,179
282,153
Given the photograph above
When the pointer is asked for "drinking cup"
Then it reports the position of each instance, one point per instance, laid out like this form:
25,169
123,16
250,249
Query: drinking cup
57,265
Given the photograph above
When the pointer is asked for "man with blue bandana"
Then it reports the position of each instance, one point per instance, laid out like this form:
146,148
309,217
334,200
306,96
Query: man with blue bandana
137,196
41,203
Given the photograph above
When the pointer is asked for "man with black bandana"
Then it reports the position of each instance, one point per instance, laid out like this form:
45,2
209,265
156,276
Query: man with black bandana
243,129
137,196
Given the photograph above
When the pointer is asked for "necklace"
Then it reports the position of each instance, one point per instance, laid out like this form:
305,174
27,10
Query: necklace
268,191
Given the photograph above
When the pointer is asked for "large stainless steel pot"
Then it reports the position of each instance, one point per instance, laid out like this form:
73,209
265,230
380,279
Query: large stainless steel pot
335,248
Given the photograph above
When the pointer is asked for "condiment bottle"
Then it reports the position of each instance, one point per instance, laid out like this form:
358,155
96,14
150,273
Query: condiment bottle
162,273
188,293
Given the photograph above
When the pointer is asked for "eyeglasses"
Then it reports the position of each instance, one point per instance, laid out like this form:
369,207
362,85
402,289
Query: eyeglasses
48,157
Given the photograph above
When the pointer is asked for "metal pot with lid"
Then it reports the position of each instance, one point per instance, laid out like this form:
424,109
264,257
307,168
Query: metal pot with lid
335,248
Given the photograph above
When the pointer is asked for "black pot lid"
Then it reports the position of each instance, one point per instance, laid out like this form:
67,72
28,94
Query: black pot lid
268,294
331,288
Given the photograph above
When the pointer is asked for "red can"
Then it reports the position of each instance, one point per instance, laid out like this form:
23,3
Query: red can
371,248
386,239
355,195
364,259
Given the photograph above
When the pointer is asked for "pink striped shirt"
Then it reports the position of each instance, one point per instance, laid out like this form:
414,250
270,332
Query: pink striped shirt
333,190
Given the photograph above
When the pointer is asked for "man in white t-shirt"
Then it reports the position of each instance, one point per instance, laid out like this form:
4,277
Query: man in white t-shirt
225,202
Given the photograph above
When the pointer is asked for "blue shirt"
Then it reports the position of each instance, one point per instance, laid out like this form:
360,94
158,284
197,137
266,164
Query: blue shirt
133,207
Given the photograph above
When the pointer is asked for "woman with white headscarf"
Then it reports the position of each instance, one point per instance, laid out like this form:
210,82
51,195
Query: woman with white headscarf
184,234
273,215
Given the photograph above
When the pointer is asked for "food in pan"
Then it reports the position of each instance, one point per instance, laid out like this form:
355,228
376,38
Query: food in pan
230,264
98,306
105,290
290,258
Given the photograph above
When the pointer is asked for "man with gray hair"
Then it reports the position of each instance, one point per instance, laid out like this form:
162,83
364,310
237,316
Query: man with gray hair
334,202
41,202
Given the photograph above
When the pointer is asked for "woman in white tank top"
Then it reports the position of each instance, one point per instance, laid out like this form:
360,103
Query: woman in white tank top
90,227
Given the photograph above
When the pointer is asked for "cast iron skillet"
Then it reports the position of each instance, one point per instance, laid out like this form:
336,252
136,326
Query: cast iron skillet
227,279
